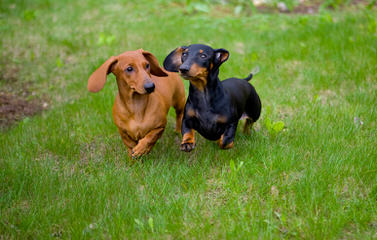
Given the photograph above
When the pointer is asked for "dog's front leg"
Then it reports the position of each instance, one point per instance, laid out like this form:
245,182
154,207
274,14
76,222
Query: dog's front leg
128,141
145,144
226,140
188,139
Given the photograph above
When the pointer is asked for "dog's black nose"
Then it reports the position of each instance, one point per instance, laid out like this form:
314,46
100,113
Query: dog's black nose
149,87
184,69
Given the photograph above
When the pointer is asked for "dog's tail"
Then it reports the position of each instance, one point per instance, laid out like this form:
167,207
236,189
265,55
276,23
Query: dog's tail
253,72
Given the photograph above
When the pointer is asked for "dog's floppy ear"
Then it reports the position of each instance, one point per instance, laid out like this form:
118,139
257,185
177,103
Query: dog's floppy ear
155,66
221,55
174,60
98,78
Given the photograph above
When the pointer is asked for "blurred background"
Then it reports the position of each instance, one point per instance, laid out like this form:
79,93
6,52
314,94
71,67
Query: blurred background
50,47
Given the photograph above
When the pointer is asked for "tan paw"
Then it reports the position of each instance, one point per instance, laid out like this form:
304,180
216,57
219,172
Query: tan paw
187,147
139,150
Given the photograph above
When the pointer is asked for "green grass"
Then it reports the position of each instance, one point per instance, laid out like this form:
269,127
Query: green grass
65,173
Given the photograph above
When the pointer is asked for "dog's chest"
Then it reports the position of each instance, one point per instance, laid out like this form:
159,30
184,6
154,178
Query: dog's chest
138,122
137,128
209,117
208,123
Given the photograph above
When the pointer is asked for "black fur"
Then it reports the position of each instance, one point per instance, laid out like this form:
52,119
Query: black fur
227,100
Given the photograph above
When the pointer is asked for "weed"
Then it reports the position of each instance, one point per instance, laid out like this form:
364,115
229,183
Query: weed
105,39
151,224
334,3
273,128
59,62
196,6
29,15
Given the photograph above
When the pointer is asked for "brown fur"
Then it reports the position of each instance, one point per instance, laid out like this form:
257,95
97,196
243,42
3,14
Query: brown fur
177,56
199,79
224,56
141,117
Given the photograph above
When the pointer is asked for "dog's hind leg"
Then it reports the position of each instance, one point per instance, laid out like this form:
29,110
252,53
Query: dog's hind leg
248,124
252,110
226,140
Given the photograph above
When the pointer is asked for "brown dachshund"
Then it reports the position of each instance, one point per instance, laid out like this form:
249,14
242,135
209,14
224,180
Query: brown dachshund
146,92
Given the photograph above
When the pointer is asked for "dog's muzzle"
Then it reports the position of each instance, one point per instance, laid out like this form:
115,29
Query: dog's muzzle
149,87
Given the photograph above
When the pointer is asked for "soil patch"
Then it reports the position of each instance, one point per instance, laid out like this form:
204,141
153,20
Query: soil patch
14,108
16,100
305,7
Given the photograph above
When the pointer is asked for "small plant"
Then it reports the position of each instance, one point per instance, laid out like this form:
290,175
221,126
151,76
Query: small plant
334,3
285,5
151,224
372,25
193,6
29,15
273,128
242,6
233,178
371,4
104,39
59,62
140,224
235,169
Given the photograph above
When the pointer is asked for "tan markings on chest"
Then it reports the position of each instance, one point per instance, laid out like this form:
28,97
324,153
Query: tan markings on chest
191,112
221,119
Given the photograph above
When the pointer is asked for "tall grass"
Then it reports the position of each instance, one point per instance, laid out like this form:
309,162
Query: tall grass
65,172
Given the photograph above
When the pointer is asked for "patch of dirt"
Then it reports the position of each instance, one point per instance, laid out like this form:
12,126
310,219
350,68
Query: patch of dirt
14,108
16,100
305,7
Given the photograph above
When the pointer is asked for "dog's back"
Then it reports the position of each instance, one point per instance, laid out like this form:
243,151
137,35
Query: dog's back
241,89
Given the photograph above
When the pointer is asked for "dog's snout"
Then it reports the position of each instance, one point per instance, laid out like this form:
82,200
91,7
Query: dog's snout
184,69
149,87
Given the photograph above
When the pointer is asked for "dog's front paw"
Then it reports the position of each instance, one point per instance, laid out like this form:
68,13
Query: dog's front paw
187,146
188,141
139,150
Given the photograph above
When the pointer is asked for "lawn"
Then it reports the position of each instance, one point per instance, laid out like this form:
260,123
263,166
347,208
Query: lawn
64,173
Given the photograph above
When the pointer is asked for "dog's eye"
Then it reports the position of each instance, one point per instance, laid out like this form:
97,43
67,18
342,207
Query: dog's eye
203,55
147,66
129,69
184,54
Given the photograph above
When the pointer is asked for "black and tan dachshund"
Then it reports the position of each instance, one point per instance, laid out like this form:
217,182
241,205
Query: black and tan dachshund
213,107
